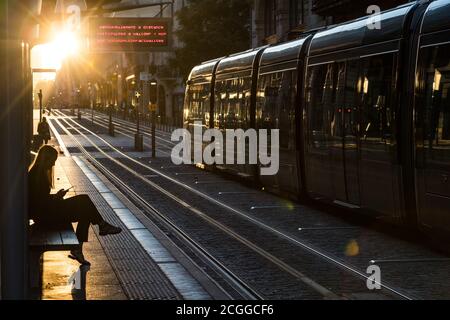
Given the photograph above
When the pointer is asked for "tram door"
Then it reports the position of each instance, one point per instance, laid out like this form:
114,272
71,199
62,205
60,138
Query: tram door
363,123
350,114
344,134
332,150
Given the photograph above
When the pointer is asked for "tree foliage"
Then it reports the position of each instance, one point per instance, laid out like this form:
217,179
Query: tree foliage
211,29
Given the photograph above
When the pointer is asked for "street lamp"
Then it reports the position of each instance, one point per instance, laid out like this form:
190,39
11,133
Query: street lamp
79,103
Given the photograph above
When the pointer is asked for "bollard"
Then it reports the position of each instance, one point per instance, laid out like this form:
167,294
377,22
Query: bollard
153,134
139,142
111,129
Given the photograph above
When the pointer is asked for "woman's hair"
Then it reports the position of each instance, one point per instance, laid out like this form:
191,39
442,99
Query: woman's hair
40,166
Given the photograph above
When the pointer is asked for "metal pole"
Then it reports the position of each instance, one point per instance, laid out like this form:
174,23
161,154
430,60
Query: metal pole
40,105
79,103
138,138
153,134
137,116
154,122
111,124
16,146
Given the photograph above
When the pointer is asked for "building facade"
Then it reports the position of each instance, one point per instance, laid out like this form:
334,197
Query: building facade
275,21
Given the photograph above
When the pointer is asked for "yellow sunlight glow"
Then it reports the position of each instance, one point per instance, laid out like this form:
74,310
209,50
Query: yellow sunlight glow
51,55
65,44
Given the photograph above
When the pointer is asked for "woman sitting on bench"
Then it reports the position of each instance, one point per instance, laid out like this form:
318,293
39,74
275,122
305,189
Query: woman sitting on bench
53,210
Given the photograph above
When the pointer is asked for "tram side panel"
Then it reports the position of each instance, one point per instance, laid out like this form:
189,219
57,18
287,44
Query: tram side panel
432,119
276,110
234,109
232,112
351,116
199,103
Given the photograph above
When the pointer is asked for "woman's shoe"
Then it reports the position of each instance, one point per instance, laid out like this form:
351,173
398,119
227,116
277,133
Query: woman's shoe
79,256
106,229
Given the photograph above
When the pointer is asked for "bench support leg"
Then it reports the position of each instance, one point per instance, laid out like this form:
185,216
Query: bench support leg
35,270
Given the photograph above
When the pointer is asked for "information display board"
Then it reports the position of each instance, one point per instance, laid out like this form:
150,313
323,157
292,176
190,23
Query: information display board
129,34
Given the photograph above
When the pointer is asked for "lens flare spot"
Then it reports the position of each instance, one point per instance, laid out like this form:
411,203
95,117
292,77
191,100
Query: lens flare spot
290,206
352,249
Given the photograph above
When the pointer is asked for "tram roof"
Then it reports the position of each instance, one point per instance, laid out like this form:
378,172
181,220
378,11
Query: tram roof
437,17
239,62
284,52
204,71
356,33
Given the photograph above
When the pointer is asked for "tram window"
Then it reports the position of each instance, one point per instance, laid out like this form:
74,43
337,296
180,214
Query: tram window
199,102
320,96
350,107
343,97
434,114
375,88
233,99
276,105
221,105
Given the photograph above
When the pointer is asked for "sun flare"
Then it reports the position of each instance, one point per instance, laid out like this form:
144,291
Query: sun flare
51,55
65,44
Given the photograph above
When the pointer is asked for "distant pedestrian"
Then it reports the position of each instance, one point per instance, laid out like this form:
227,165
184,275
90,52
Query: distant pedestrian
44,130
53,210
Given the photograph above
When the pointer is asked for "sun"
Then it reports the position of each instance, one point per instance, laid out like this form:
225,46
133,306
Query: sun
66,44
51,55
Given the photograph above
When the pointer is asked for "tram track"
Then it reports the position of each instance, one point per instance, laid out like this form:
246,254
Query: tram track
243,289
124,128
282,265
296,274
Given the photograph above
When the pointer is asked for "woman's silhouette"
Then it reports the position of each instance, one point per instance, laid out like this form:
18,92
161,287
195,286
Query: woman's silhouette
44,130
53,210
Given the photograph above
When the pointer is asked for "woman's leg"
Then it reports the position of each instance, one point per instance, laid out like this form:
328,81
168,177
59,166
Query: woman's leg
80,209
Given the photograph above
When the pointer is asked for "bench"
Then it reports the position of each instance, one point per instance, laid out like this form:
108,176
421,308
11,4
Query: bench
61,238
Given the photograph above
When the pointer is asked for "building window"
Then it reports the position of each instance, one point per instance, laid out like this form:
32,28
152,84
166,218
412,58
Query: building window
295,13
270,17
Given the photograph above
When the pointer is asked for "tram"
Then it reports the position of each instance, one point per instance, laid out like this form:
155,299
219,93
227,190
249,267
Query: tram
363,113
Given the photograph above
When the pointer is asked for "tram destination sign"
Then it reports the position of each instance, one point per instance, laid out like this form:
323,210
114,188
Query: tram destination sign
129,34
